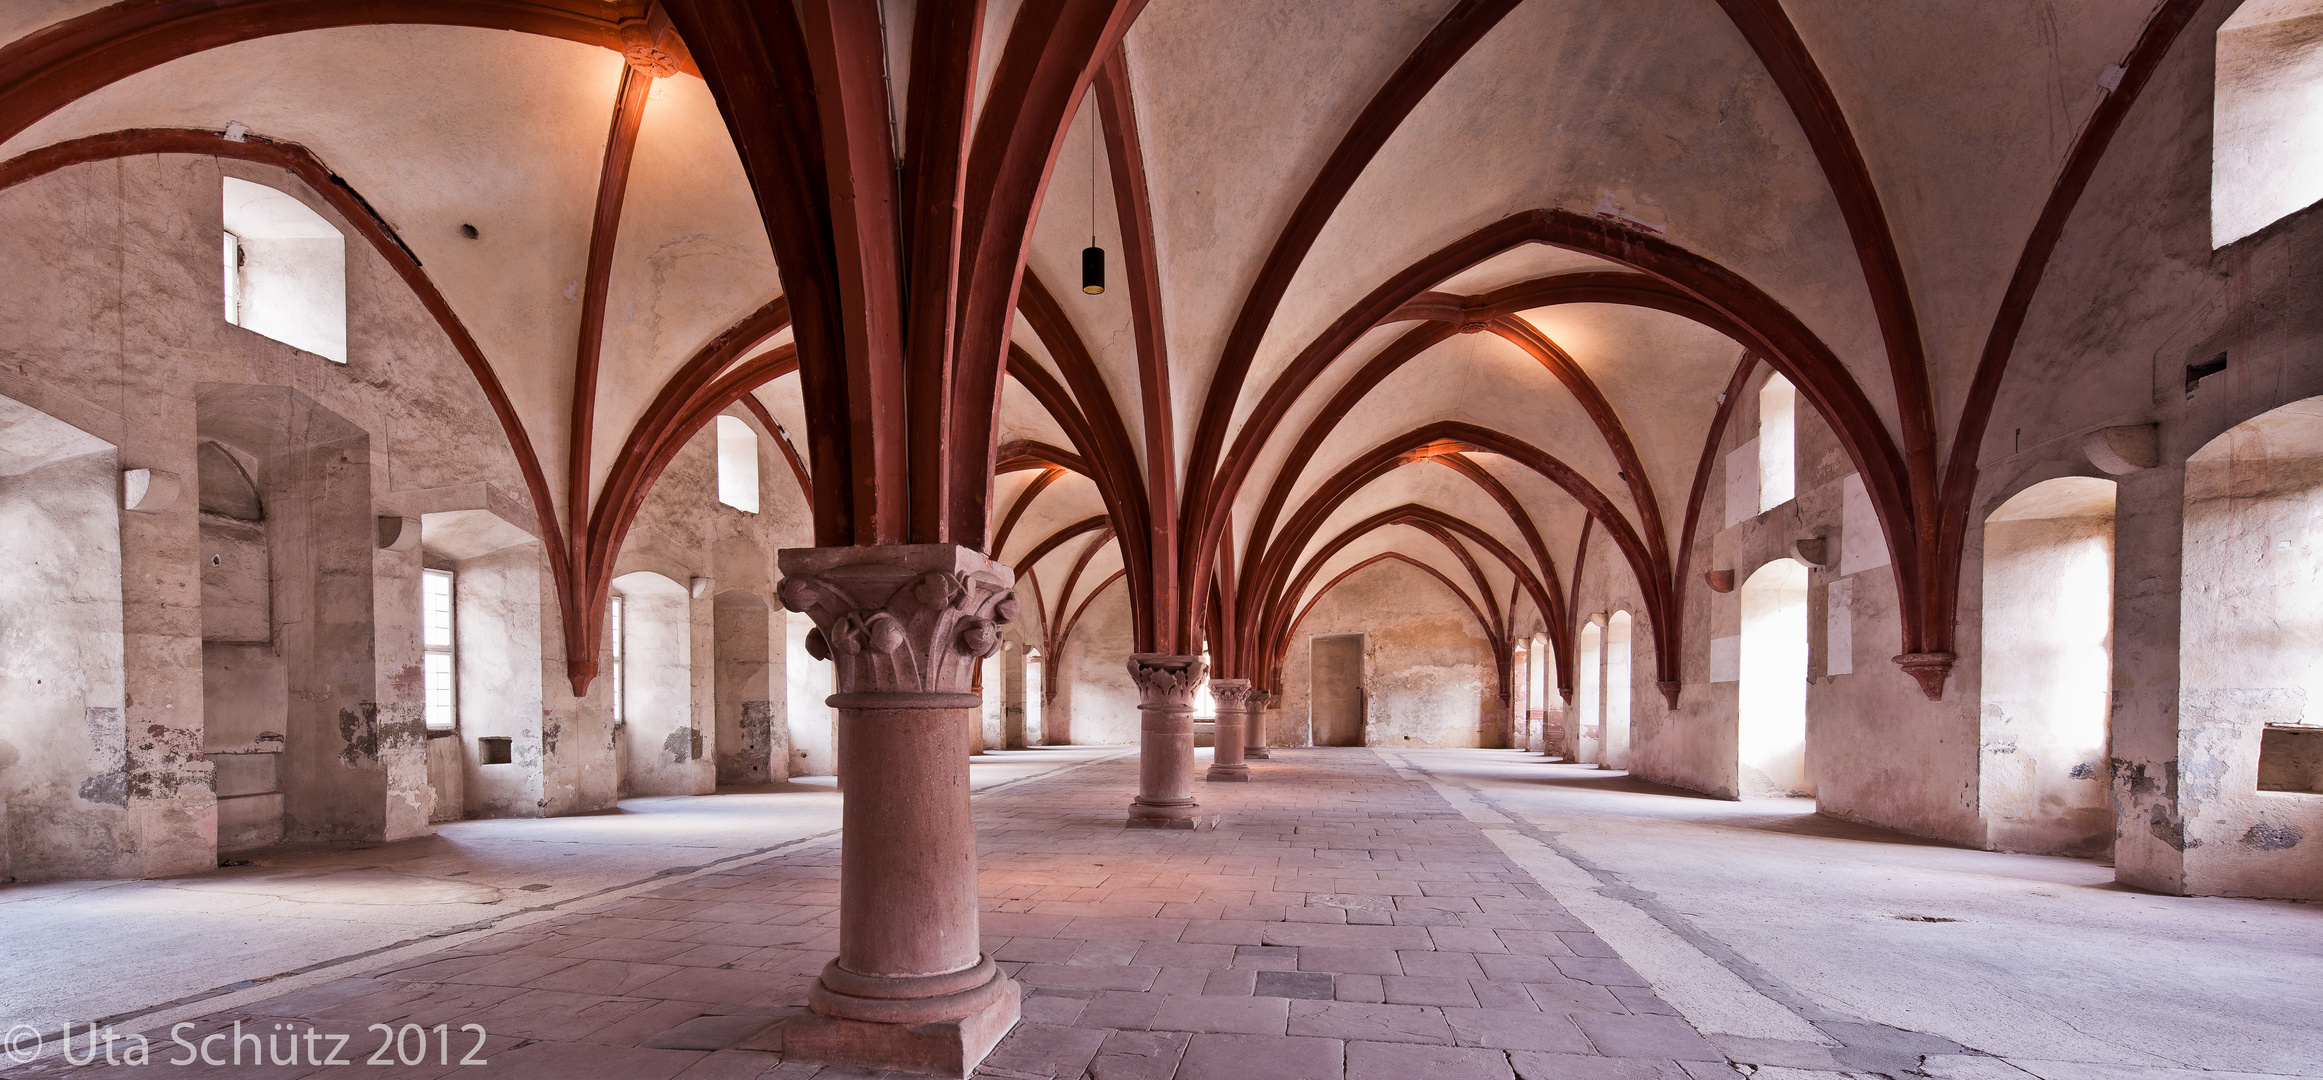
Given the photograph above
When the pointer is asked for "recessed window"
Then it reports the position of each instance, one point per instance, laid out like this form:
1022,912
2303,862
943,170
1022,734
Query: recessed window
495,750
438,644
737,464
2267,126
285,270
615,618
1778,473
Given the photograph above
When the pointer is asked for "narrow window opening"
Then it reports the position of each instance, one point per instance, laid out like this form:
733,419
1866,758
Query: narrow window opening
437,641
737,464
233,276
1205,706
1778,474
620,699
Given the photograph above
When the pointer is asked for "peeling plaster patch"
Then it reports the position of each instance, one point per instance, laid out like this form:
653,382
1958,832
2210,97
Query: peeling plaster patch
108,781
2086,770
370,731
359,728
2170,830
548,737
165,762
681,744
409,684
2142,783
2272,837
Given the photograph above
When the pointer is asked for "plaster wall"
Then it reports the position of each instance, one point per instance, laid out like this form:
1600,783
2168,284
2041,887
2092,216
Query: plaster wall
1095,702
1876,749
749,747
1429,673
112,323
496,598
64,753
661,739
2252,653
2135,293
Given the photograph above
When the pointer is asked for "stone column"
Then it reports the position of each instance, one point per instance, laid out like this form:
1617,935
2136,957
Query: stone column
1165,758
1254,711
904,626
1235,716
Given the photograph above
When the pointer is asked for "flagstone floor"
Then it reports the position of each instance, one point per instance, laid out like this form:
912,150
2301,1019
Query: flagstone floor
1353,915
1339,921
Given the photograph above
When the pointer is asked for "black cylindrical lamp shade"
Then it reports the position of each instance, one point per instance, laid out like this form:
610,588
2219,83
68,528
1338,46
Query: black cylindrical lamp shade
1092,270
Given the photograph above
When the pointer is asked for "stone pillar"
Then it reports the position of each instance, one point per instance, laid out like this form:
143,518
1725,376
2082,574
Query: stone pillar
1254,710
1235,716
1165,758
904,625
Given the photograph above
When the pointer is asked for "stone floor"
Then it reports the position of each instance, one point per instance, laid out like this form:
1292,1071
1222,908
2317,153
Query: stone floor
217,940
1391,915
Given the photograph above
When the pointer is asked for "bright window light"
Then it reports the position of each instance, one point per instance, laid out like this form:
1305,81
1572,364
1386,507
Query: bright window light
737,464
437,641
2267,125
620,705
286,270
1778,474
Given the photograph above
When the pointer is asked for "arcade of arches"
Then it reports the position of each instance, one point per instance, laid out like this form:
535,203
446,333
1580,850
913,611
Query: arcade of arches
1166,538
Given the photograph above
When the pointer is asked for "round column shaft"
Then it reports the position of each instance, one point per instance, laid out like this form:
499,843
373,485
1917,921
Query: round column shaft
1234,717
904,627
1165,763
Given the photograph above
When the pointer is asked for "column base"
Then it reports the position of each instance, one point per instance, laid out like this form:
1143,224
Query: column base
1169,815
1254,753
948,1046
1232,774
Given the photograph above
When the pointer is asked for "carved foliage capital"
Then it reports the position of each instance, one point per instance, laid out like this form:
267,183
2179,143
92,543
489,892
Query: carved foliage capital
1166,681
912,618
1235,693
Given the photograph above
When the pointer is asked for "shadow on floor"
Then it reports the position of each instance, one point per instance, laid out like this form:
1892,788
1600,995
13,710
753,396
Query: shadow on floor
1592,778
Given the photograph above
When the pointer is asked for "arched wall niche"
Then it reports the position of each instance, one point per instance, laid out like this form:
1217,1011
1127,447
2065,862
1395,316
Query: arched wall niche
662,747
2044,746
2250,738
1587,730
288,629
65,757
1620,695
753,743
1771,715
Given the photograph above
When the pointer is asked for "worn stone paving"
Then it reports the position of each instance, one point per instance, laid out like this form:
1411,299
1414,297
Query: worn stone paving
1339,922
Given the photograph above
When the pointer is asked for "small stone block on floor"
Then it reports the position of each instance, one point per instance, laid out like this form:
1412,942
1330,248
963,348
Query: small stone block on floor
1310,985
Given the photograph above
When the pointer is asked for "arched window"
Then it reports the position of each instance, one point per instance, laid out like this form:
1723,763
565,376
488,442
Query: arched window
1771,718
285,270
2045,777
737,464
2267,125
1778,473
1589,695
1617,675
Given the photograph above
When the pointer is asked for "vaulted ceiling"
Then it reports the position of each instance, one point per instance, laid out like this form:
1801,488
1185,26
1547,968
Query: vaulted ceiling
1521,232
